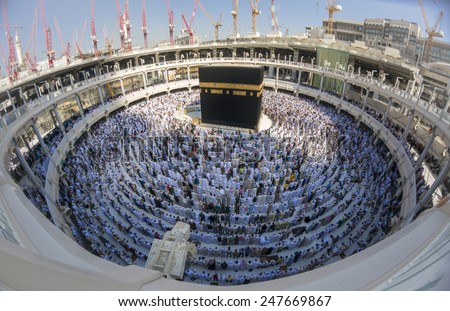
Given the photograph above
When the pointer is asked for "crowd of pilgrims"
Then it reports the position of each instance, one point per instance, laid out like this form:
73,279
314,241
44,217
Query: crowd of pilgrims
312,189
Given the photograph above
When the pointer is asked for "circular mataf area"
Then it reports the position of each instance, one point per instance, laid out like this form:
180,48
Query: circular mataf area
312,189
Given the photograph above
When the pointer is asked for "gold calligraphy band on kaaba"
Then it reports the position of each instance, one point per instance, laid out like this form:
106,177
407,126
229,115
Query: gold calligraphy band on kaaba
234,86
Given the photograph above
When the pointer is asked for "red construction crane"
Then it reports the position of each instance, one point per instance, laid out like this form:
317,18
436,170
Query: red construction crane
189,26
65,47
144,25
432,32
12,66
93,32
171,24
48,36
215,24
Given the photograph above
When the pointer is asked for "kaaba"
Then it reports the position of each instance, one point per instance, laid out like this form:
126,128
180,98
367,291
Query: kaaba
231,95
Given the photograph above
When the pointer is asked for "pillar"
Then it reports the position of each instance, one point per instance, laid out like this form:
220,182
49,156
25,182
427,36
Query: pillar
28,170
100,94
11,99
296,54
122,87
387,111
189,77
299,77
166,75
36,90
447,103
144,81
58,118
439,180
321,81
276,79
22,95
432,96
419,94
365,99
408,126
80,107
343,90
425,151
39,137
26,143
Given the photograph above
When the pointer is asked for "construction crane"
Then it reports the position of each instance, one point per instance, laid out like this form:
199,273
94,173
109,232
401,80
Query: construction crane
215,24
144,25
276,32
30,55
48,37
189,26
93,32
332,7
12,67
127,27
120,22
255,12
432,32
171,24
79,43
234,14
64,47
124,27
108,42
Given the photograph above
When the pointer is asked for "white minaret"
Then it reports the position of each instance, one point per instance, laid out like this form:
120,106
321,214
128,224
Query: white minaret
18,49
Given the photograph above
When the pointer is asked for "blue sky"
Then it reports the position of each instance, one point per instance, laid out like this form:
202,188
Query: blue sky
292,14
